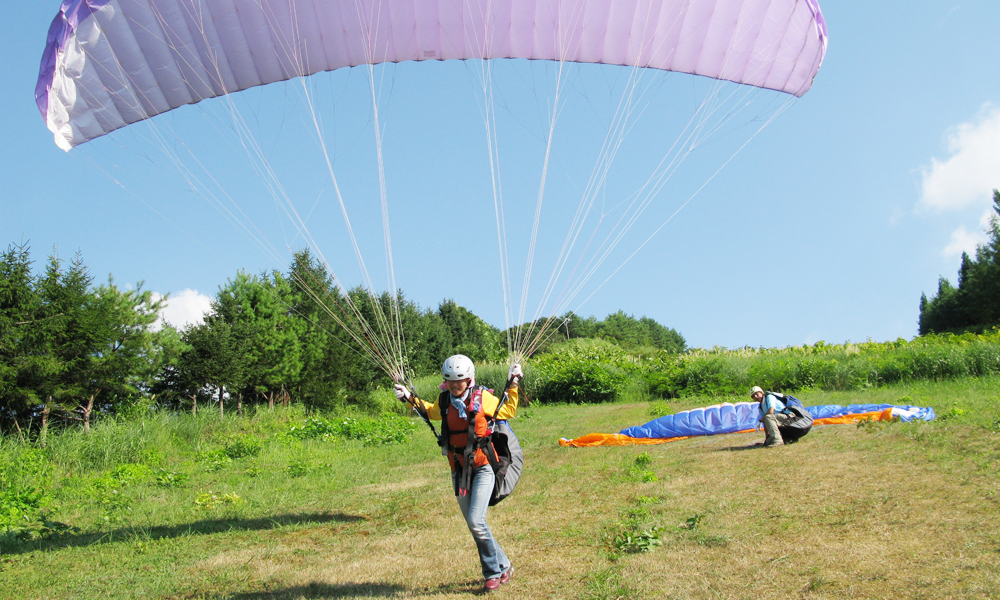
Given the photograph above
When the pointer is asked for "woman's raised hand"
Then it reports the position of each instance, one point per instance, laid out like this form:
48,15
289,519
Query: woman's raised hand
402,394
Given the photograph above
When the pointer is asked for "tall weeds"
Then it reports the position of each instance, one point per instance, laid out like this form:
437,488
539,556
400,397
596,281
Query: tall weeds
828,366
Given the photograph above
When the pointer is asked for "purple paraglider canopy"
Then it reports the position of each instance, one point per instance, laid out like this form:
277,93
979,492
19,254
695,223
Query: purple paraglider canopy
109,63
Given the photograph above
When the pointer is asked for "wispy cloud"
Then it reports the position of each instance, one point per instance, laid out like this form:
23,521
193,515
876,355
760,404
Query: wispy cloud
963,241
186,307
968,176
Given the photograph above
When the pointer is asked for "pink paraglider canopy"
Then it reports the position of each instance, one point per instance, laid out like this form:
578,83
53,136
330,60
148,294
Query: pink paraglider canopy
108,63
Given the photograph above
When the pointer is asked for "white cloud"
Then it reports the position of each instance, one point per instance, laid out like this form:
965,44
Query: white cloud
186,307
969,175
963,241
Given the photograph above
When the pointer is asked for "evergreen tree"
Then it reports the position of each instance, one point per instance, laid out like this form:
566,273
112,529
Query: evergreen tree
470,335
975,303
221,354
22,366
118,363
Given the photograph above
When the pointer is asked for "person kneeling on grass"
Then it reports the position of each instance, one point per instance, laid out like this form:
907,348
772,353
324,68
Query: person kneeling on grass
772,416
473,488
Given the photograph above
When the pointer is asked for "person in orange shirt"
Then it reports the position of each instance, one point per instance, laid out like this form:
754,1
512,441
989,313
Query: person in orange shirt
468,408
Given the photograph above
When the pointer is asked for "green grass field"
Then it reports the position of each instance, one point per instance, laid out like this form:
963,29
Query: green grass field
873,511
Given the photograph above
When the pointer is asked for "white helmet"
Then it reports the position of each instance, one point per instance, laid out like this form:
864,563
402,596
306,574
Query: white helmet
458,367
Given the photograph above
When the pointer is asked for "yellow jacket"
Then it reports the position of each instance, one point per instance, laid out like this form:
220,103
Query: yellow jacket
458,428
489,401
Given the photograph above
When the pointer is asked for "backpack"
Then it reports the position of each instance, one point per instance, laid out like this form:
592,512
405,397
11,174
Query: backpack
502,448
800,422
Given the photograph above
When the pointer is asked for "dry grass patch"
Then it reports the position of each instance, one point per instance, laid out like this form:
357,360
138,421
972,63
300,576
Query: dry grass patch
805,521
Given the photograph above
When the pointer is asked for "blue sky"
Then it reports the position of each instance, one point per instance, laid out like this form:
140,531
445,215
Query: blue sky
827,226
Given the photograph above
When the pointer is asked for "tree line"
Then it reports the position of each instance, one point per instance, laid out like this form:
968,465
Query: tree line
974,304
70,349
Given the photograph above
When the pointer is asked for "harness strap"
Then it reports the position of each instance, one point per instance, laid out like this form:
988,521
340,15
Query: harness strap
472,441
469,453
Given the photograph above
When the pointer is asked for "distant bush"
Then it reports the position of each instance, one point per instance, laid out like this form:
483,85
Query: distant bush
387,429
585,371
722,372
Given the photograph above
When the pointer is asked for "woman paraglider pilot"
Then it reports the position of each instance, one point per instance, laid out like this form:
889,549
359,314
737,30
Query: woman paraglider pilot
469,416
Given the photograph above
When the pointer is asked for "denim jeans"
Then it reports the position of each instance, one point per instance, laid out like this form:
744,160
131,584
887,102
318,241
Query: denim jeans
474,505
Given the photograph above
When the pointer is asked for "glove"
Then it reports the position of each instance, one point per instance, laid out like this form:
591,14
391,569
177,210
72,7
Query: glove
402,394
515,372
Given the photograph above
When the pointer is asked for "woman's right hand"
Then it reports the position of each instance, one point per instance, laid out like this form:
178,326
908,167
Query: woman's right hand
402,394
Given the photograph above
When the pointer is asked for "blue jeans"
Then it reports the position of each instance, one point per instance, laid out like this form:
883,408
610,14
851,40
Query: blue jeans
474,506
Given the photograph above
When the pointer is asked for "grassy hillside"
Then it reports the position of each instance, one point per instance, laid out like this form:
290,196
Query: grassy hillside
178,507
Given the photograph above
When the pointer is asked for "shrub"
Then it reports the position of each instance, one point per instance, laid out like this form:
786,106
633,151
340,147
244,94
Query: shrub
314,428
239,445
585,372
129,474
722,372
20,507
387,429
659,409
24,485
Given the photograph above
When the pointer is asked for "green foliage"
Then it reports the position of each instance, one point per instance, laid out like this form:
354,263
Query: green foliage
692,522
696,533
240,445
214,460
659,409
210,500
952,413
470,335
18,507
170,479
731,373
298,468
620,328
634,541
130,474
67,350
110,490
24,486
584,372
639,469
387,429
635,533
315,428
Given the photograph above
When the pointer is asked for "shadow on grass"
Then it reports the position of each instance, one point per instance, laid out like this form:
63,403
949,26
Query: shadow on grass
203,527
754,446
316,591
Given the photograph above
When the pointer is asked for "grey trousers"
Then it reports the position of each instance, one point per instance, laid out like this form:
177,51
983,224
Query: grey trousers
771,424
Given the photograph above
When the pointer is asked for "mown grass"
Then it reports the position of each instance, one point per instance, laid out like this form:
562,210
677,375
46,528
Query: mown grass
873,511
